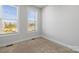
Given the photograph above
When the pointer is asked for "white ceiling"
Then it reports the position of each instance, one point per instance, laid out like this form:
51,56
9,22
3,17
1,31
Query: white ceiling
40,6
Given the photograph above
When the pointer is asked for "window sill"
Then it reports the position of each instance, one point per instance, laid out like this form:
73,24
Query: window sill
7,34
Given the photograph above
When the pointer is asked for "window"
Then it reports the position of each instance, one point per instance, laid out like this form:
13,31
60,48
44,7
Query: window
8,19
32,17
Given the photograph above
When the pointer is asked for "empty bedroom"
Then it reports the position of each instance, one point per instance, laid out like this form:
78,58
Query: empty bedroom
39,28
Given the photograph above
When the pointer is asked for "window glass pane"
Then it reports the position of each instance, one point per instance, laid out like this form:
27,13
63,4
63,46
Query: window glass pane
9,12
0,18
32,16
9,19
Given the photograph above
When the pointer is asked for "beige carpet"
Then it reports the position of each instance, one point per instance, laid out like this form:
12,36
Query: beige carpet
38,45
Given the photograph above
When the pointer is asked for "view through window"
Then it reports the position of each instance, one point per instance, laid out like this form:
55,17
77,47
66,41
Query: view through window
8,19
32,16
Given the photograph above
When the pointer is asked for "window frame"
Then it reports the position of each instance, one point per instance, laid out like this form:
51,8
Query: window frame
17,20
37,25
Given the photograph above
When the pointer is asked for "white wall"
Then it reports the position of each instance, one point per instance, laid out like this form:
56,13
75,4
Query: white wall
6,39
61,23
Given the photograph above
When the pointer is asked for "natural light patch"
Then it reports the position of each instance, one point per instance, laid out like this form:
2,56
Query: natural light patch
8,19
32,16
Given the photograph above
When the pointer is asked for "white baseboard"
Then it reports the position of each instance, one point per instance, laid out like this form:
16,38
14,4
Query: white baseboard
74,48
3,45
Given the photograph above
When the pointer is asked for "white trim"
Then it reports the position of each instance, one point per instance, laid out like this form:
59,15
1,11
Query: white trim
17,24
8,34
74,48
